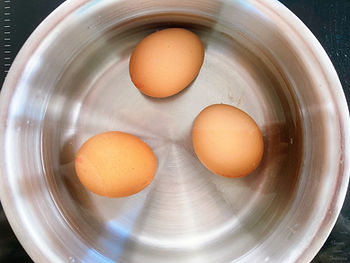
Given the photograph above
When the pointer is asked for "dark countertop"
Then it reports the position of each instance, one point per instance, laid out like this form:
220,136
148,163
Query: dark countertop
329,20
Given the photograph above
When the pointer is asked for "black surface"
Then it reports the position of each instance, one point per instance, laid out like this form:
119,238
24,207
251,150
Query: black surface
328,20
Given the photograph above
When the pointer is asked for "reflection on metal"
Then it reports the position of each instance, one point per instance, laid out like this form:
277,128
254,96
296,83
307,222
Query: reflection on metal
71,81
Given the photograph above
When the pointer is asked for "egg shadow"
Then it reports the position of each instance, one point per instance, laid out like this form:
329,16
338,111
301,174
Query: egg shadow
172,97
275,157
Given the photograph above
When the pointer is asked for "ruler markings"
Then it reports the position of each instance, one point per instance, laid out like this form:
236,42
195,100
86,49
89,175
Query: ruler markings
7,58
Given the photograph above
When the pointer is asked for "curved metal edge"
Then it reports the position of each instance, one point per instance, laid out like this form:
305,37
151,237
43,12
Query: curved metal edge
8,89
296,26
300,30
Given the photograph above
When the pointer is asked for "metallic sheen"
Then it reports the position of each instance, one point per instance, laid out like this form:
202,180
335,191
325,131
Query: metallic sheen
71,81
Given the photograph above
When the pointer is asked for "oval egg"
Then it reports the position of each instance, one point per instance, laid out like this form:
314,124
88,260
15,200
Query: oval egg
115,164
166,62
227,140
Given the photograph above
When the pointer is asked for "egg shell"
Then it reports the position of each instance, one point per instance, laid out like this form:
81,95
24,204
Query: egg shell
115,164
227,140
166,62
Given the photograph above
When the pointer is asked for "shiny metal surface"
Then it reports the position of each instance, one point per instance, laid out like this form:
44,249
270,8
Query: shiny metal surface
70,81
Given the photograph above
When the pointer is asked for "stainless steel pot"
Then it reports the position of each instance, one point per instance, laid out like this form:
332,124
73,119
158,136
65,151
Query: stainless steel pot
70,81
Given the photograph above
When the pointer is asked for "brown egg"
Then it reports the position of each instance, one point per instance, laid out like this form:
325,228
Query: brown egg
227,141
115,164
166,62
